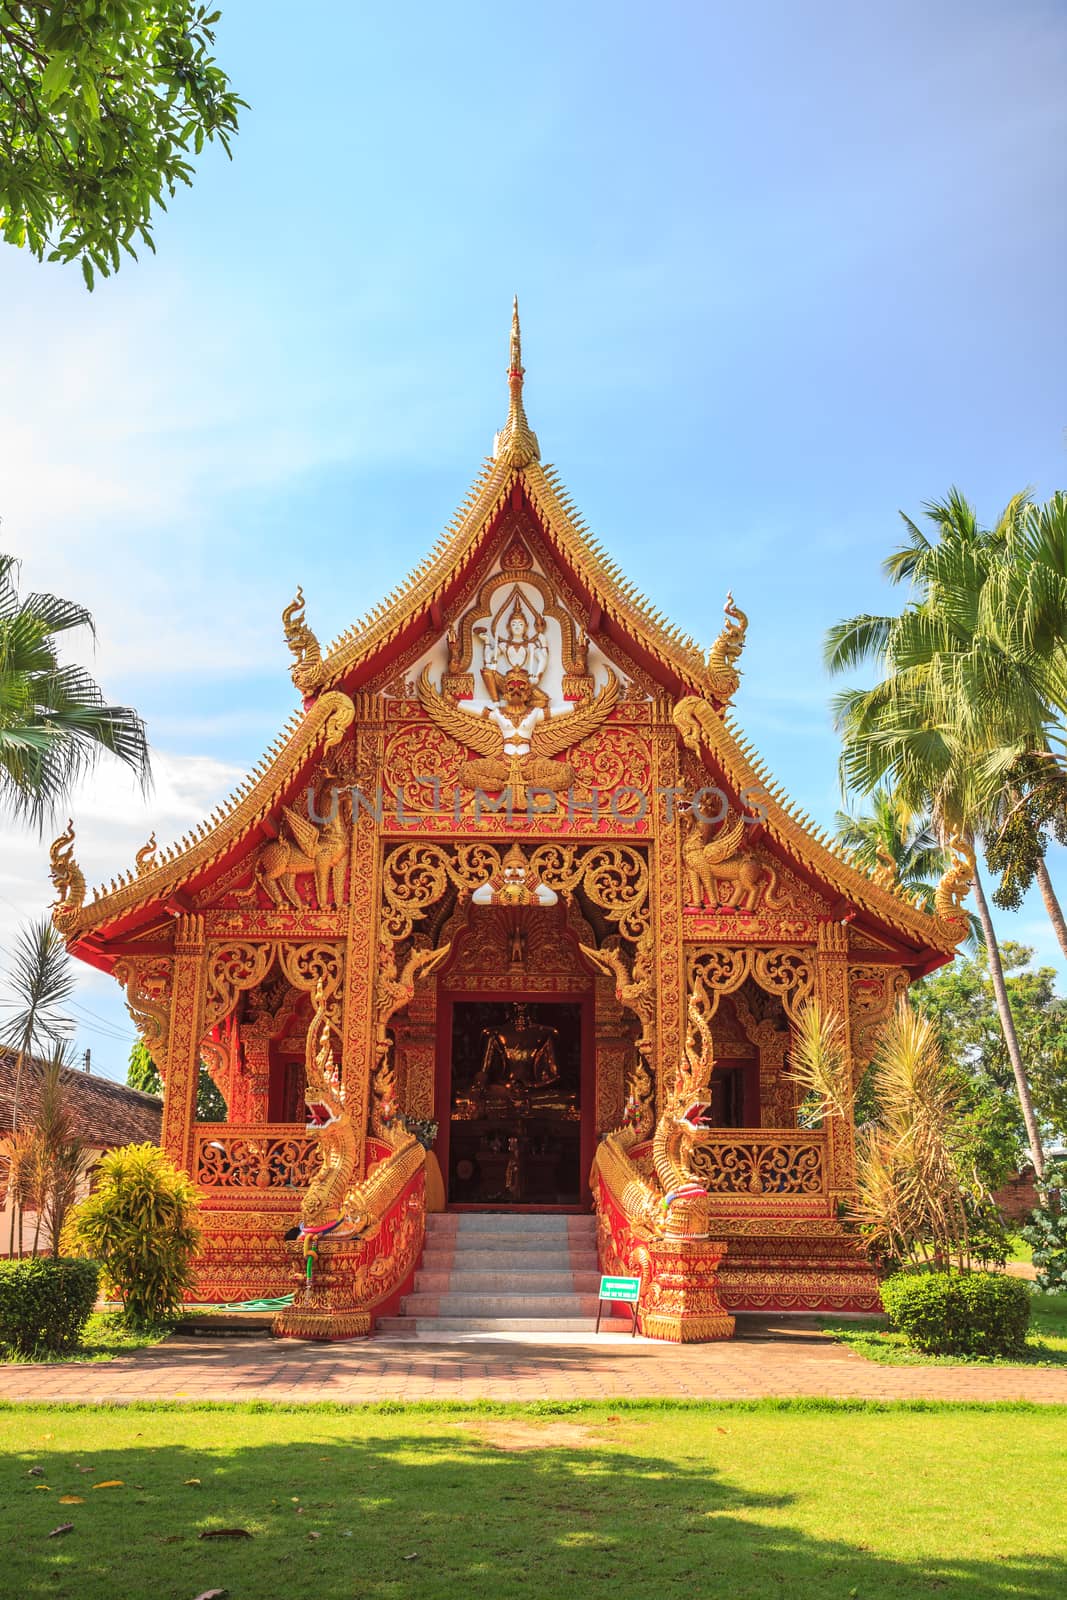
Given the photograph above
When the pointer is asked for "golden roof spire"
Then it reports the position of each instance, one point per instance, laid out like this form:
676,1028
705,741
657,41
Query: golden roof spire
516,443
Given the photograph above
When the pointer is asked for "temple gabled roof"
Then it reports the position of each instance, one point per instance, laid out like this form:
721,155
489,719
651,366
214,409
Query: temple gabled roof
512,477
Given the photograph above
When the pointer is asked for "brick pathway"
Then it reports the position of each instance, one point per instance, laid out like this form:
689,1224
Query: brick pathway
783,1357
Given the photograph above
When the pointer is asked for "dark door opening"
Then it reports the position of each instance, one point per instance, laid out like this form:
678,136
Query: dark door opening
515,1111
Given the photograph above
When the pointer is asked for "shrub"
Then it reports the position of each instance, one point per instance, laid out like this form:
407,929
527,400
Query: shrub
959,1313
45,1303
1046,1229
140,1223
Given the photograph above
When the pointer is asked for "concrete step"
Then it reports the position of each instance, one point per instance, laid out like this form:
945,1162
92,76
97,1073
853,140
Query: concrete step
536,1280
503,1327
505,1221
506,1241
499,1305
511,1258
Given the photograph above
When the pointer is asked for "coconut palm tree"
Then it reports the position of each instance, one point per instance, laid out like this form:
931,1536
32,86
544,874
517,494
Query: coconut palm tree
1025,603
885,838
54,721
954,701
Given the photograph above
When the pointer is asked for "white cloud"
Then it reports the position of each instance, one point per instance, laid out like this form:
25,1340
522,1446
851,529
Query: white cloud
112,820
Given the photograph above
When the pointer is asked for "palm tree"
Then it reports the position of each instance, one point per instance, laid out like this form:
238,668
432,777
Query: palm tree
954,700
1025,602
54,721
41,983
885,839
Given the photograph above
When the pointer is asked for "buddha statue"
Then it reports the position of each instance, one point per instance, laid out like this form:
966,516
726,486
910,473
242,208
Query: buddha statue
519,1066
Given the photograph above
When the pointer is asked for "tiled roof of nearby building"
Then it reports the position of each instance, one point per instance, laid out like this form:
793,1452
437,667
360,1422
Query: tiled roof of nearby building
106,1113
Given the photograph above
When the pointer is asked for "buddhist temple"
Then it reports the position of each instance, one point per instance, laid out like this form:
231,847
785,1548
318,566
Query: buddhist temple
510,920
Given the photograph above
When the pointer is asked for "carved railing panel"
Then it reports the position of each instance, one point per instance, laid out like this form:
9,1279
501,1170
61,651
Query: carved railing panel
229,1157
770,1163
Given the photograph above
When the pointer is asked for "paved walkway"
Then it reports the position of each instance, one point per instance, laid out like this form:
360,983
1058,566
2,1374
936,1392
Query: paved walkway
770,1357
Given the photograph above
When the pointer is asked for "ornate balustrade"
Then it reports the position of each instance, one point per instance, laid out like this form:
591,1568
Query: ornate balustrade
278,1155
767,1162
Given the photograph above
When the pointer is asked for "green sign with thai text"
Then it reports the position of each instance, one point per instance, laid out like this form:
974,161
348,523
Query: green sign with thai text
625,1289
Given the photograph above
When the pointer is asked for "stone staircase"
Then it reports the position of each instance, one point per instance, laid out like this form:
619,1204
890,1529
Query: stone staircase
504,1273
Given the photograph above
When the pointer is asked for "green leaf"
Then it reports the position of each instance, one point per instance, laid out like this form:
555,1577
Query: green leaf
87,273
56,77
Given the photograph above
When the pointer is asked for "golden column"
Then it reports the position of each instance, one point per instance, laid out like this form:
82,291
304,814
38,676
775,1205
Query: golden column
183,1042
666,909
831,989
361,959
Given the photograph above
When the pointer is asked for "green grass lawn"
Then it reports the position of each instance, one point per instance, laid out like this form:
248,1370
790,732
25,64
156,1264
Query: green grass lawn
578,1501
103,1338
1020,1250
1046,1344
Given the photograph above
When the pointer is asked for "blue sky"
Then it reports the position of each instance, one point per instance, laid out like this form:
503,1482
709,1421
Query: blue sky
783,269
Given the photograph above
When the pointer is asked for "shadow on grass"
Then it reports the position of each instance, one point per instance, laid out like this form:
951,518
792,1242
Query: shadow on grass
452,1518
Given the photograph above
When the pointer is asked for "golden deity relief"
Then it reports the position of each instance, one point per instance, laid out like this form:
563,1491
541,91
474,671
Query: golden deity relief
516,728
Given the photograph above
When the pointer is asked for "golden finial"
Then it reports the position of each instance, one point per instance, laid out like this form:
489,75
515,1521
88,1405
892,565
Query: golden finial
516,443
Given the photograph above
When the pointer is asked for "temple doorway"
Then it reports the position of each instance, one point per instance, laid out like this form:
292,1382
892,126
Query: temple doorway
517,1079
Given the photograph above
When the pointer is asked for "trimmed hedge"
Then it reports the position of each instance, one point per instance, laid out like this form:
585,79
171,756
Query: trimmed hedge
44,1303
959,1313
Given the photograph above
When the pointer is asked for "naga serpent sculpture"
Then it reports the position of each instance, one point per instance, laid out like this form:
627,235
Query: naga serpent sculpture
954,887
724,678
676,1203
337,1207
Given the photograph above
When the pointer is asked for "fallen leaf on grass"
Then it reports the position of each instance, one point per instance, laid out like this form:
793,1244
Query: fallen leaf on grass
47,1487
64,1527
314,1535
77,1468
413,1557
224,1533
212,1594
722,1430
192,1483
110,1483
35,1472
71,1500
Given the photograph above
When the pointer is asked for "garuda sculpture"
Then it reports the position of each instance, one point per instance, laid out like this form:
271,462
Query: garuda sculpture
517,738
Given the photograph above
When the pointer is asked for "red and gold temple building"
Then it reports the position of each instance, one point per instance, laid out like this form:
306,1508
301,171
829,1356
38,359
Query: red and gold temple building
511,868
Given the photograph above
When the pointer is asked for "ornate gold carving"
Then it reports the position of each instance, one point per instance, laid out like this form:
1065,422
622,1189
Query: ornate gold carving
516,443
318,849
788,972
697,723
955,885
312,967
873,994
68,881
307,669
229,1157
145,859
240,964
422,763
517,740
724,678
634,983
147,981
885,873
711,862
760,1164
393,993
616,761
